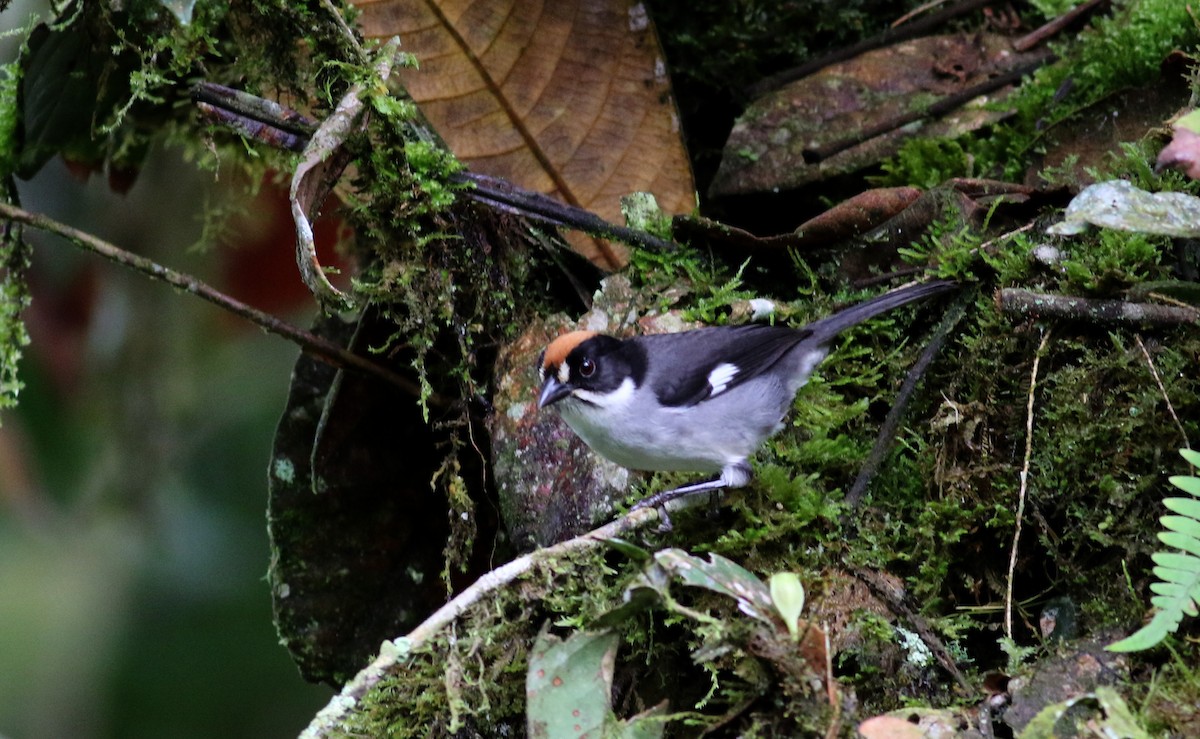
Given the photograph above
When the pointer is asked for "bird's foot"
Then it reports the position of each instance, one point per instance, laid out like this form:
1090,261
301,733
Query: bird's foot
733,476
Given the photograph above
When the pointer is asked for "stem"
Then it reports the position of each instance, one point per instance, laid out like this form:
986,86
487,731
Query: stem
257,118
317,346
891,424
890,36
941,107
1024,476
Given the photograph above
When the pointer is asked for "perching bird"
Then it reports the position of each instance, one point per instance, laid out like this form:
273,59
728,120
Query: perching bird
698,401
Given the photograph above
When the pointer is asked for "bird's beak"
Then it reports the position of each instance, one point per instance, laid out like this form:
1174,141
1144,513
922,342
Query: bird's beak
552,392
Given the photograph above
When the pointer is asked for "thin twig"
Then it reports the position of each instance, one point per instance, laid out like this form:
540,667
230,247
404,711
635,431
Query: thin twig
1056,26
1158,381
255,120
890,36
921,10
345,29
986,247
1024,476
315,345
327,721
940,107
895,599
243,104
835,700
253,117
508,196
1044,305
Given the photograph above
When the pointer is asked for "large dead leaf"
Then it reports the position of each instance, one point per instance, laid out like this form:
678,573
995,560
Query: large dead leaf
854,113
569,98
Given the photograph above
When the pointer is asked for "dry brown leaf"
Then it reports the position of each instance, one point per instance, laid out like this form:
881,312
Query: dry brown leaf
864,104
569,98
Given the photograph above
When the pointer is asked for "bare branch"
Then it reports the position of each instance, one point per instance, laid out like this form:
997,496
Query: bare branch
1163,390
327,721
317,346
257,118
1043,305
891,424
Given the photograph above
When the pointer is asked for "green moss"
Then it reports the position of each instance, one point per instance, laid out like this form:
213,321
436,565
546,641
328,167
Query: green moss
925,163
14,298
1120,49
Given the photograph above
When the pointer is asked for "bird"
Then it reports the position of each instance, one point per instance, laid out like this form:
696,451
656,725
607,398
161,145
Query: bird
699,401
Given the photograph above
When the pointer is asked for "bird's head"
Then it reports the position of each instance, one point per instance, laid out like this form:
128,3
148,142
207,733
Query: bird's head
584,365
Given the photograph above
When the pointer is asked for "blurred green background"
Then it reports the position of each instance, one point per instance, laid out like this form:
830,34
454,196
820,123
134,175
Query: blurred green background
133,542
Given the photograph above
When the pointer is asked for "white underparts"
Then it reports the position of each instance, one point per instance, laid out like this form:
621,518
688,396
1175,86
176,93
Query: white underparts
735,475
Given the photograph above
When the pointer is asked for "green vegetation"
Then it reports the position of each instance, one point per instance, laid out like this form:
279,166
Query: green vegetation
451,287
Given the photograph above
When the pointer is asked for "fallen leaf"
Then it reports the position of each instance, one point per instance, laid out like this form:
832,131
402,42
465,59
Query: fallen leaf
568,98
568,690
768,145
1119,205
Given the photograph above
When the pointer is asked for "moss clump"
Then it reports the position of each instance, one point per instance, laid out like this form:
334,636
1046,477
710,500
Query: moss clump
926,163
1118,50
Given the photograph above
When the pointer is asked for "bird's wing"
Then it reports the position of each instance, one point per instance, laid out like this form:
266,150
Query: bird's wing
732,355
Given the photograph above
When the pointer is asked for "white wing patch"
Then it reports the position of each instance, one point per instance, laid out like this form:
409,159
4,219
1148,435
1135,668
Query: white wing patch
721,376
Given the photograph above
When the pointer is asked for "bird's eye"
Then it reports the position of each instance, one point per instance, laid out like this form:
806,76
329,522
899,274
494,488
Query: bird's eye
587,368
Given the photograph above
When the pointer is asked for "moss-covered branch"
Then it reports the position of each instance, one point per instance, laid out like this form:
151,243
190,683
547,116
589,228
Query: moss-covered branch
328,722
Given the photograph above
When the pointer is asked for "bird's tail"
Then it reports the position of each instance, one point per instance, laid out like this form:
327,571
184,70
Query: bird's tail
826,329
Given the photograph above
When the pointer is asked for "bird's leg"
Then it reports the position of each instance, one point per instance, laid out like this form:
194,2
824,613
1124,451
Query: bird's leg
733,476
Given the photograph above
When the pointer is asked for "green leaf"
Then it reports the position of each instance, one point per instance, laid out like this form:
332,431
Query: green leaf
1177,540
638,598
1189,507
629,549
568,684
1149,635
1177,592
1181,562
67,86
787,593
1182,524
1186,483
722,576
569,690
1102,713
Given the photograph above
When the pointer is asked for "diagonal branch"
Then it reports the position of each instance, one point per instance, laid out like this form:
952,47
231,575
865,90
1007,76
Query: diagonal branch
317,346
328,721
891,424
274,125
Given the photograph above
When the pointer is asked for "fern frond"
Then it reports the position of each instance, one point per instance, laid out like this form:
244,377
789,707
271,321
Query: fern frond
1177,593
